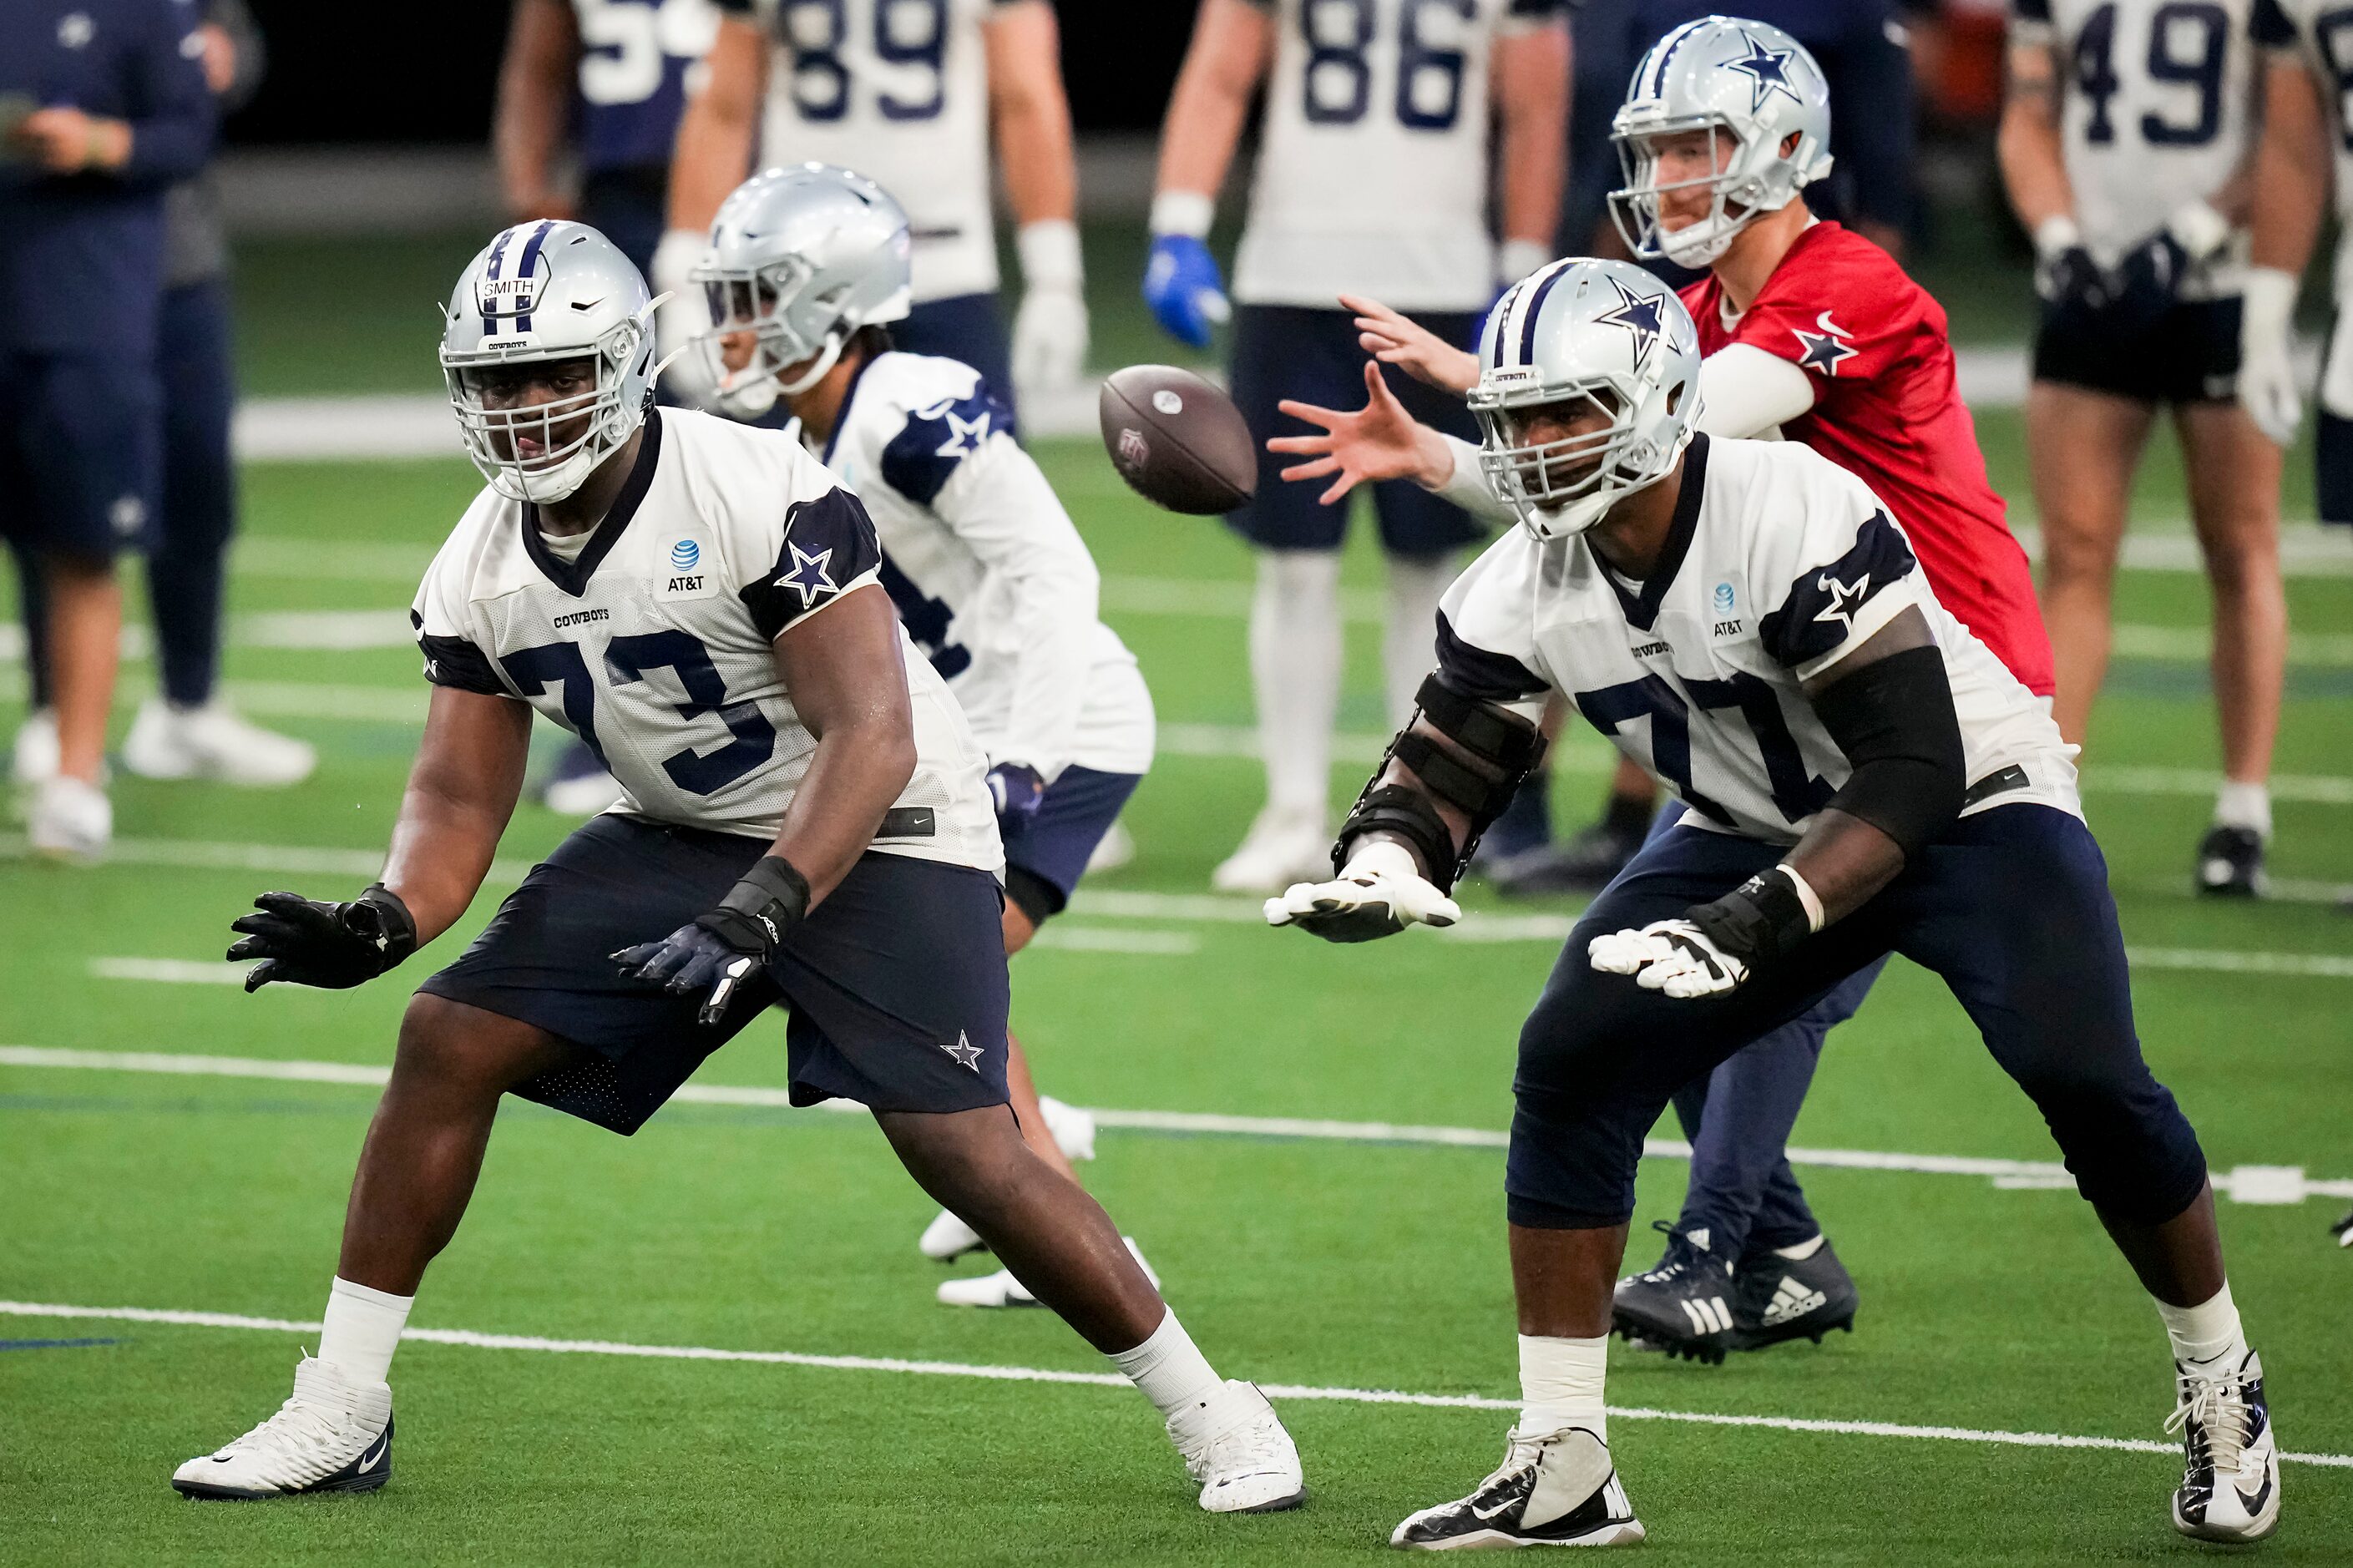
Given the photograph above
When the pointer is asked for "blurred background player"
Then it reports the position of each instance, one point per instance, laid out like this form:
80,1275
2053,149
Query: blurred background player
1373,178
990,578
908,92
2125,139
610,78
103,107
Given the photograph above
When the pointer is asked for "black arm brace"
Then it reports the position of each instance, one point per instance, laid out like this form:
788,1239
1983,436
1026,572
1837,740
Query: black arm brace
1894,721
1498,740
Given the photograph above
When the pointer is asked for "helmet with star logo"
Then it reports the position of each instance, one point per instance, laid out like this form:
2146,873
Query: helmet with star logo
800,258
1603,352
1723,119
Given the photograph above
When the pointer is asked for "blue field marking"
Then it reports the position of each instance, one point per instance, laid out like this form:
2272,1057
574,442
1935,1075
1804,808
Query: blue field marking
53,1344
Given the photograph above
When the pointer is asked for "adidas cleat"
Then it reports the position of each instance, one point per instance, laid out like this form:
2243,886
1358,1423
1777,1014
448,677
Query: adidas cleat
1554,1489
2229,1484
334,1435
1235,1446
2231,864
1777,1299
1681,1306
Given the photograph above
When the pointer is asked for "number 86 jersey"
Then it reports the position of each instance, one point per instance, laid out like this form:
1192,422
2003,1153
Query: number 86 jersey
654,645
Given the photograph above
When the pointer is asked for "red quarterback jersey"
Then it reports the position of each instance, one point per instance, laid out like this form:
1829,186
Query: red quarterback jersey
1887,410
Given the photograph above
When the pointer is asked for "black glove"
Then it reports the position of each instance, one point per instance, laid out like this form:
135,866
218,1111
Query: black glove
1018,790
1757,921
333,946
726,947
2071,282
2148,282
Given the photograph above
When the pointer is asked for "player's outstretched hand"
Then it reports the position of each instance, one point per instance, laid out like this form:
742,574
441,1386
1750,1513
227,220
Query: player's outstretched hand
1672,956
1378,895
1018,791
1184,288
333,946
1413,348
688,959
1378,441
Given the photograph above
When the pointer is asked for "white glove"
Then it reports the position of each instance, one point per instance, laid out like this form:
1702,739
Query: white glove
2267,381
1672,956
681,316
1378,895
1050,330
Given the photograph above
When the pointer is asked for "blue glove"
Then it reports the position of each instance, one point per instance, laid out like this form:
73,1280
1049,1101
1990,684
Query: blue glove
1019,792
1181,286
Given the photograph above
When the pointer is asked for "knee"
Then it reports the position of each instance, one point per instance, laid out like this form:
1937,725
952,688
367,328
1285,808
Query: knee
449,1047
957,1155
2077,553
2242,561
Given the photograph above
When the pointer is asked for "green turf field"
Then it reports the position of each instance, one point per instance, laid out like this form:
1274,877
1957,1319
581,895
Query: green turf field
1327,1263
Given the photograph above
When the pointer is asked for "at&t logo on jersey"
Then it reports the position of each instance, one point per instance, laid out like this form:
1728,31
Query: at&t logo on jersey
1725,601
685,581
684,554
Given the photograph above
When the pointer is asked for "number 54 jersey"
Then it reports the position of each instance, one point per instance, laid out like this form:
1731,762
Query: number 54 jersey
1778,564
654,645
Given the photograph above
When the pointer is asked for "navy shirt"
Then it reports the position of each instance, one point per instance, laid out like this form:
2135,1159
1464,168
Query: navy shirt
632,83
81,256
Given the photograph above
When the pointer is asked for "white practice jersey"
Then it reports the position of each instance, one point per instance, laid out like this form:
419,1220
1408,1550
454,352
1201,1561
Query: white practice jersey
2157,106
654,647
1372,163
1779,564
990,577
897,90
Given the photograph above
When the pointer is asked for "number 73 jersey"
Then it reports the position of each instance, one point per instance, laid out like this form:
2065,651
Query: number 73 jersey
655,645
1778,563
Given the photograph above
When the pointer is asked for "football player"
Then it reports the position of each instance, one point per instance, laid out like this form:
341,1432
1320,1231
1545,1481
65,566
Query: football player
1373,178
2124,143
805,819
1870,779
806,273
909,91
1812,332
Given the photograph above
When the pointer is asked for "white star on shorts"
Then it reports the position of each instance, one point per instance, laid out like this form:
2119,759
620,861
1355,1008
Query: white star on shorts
966,1053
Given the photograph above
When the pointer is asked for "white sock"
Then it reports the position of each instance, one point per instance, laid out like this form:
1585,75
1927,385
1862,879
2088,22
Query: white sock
2206,1330
363,1330
1560,1383
1169,1369
2247,805
1409,646
1803,1251
1295,644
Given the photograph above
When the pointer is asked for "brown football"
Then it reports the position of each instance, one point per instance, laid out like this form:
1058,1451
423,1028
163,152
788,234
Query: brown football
1177,441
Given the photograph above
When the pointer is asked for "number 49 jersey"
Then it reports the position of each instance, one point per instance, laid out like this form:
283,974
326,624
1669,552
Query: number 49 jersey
1778,564
2157,108
655,645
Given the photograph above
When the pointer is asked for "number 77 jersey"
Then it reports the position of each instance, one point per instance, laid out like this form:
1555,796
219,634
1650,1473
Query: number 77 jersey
655,644
1778,564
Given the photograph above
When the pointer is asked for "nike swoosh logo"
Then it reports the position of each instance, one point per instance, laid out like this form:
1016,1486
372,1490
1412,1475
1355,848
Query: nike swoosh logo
368,1459
1504,1506
2254,1505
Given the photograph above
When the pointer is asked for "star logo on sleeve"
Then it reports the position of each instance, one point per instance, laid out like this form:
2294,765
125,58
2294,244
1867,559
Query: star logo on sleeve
1826,349
1844,597
1768,71
808,576
964,435
967,1054
1639,314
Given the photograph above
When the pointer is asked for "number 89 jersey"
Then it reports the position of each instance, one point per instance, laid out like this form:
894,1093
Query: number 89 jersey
2157,108
655,645
1372,165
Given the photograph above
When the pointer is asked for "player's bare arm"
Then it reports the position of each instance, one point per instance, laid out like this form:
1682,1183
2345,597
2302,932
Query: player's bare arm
1031,116
1393,338
534,104
842,666
2033,167
715,133
1531,86
1233,43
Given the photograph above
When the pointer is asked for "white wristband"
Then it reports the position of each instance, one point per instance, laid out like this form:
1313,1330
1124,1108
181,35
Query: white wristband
1515,259
2200,229
1048,250
2056,234
1182,212
1807,897
1382,858
2270,302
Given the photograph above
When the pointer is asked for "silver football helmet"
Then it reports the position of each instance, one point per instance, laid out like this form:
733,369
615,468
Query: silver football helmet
1575,338
543,291
800,258
1748,88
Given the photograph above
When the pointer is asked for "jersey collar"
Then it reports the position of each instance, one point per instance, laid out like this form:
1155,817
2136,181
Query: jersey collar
841,415
572,576
1642,608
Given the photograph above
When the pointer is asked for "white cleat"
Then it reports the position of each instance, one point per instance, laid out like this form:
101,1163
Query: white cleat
1235,1446
1115,849
213,742
585,796
2230,1482
948,1238
1552,1488
34,759
334,1435
1281,848
1001,1289
70,819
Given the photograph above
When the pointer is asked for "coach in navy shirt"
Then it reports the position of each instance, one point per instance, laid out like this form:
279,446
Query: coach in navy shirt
103,106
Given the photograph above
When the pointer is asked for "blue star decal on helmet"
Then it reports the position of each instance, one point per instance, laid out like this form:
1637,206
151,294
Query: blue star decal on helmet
1639,314
1768,71
808,576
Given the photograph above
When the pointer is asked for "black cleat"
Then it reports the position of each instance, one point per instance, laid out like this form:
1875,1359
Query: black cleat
1682,1305
1552,1488
2343,1230
2231,864
1777,1299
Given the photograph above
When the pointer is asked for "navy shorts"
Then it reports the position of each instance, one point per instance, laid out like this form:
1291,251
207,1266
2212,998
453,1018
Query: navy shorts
1044,861
1311,356
81,453
2009,906
967,327
629,206
2191,354
2332,457
896,982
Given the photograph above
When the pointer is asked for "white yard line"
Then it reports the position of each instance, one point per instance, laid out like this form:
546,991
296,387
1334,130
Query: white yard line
2261,1183
471,1340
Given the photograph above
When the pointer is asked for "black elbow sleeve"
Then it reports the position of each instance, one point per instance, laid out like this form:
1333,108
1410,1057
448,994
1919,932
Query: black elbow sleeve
1894,721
